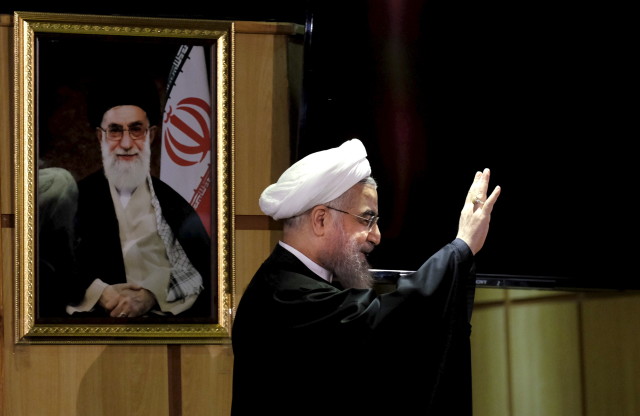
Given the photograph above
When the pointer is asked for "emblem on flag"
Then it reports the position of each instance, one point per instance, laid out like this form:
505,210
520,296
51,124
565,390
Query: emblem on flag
185,160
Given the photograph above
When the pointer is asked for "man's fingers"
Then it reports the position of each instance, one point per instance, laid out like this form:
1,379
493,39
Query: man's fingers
488,205
477,195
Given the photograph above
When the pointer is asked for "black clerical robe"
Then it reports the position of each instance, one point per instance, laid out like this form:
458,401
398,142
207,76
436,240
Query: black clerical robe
100,252
303,346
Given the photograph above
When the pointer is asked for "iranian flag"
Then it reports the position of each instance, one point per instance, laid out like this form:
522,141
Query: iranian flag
185,160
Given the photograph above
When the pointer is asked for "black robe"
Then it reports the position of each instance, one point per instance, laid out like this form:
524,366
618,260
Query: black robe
99,251
303,346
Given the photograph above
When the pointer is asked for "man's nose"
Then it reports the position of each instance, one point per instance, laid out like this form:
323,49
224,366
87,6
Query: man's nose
126,141
374,234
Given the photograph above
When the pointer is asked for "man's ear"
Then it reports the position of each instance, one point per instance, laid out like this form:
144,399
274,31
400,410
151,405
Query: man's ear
319,219
99,134
152,133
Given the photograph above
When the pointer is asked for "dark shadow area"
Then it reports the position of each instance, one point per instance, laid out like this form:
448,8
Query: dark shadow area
541,94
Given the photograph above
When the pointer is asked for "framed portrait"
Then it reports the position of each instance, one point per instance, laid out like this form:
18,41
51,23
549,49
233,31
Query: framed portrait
123,152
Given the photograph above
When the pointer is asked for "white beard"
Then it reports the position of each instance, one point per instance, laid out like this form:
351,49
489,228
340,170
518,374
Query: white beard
126,176
348,266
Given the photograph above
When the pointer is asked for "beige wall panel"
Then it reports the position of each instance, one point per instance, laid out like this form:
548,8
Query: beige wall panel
489,362
544,347
252,248
5,116
612,356
207,374
520,294
490,295
53,380
262,117
6,234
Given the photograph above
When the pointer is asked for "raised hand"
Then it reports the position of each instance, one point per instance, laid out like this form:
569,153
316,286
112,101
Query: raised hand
475,216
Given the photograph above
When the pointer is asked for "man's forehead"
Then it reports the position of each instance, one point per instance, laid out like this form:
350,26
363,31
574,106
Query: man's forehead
127,112
365,193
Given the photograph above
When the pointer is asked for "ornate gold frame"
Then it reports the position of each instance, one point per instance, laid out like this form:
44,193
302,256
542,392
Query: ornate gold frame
28,26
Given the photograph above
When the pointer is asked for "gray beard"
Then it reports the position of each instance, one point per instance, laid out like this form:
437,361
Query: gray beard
350,269
126,176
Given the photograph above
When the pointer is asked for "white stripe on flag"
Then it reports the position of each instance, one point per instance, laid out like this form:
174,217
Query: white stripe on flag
185,160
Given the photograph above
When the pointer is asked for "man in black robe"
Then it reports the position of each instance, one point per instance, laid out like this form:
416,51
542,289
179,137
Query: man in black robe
142,249
311,335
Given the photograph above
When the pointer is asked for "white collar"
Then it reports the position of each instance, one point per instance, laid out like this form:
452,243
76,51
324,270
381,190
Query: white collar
125,196
317,269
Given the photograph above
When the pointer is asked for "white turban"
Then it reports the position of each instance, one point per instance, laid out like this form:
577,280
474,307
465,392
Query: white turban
57,197
316,179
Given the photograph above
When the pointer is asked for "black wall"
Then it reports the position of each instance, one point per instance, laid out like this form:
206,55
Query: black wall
540,92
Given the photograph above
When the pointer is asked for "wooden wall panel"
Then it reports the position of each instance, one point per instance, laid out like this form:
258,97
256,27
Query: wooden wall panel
544,348
612,355
207,374
262,145
123,379
574,353
85,380
262,116
521,294
6,204
490,295
256,246
491,395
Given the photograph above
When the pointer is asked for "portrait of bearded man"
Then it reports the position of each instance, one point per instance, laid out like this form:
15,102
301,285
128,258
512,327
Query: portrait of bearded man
142,249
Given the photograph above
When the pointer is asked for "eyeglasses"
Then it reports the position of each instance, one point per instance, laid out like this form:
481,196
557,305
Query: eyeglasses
116,132
371,221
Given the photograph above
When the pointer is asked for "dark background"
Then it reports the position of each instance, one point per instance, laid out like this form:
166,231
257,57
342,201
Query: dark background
540,92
